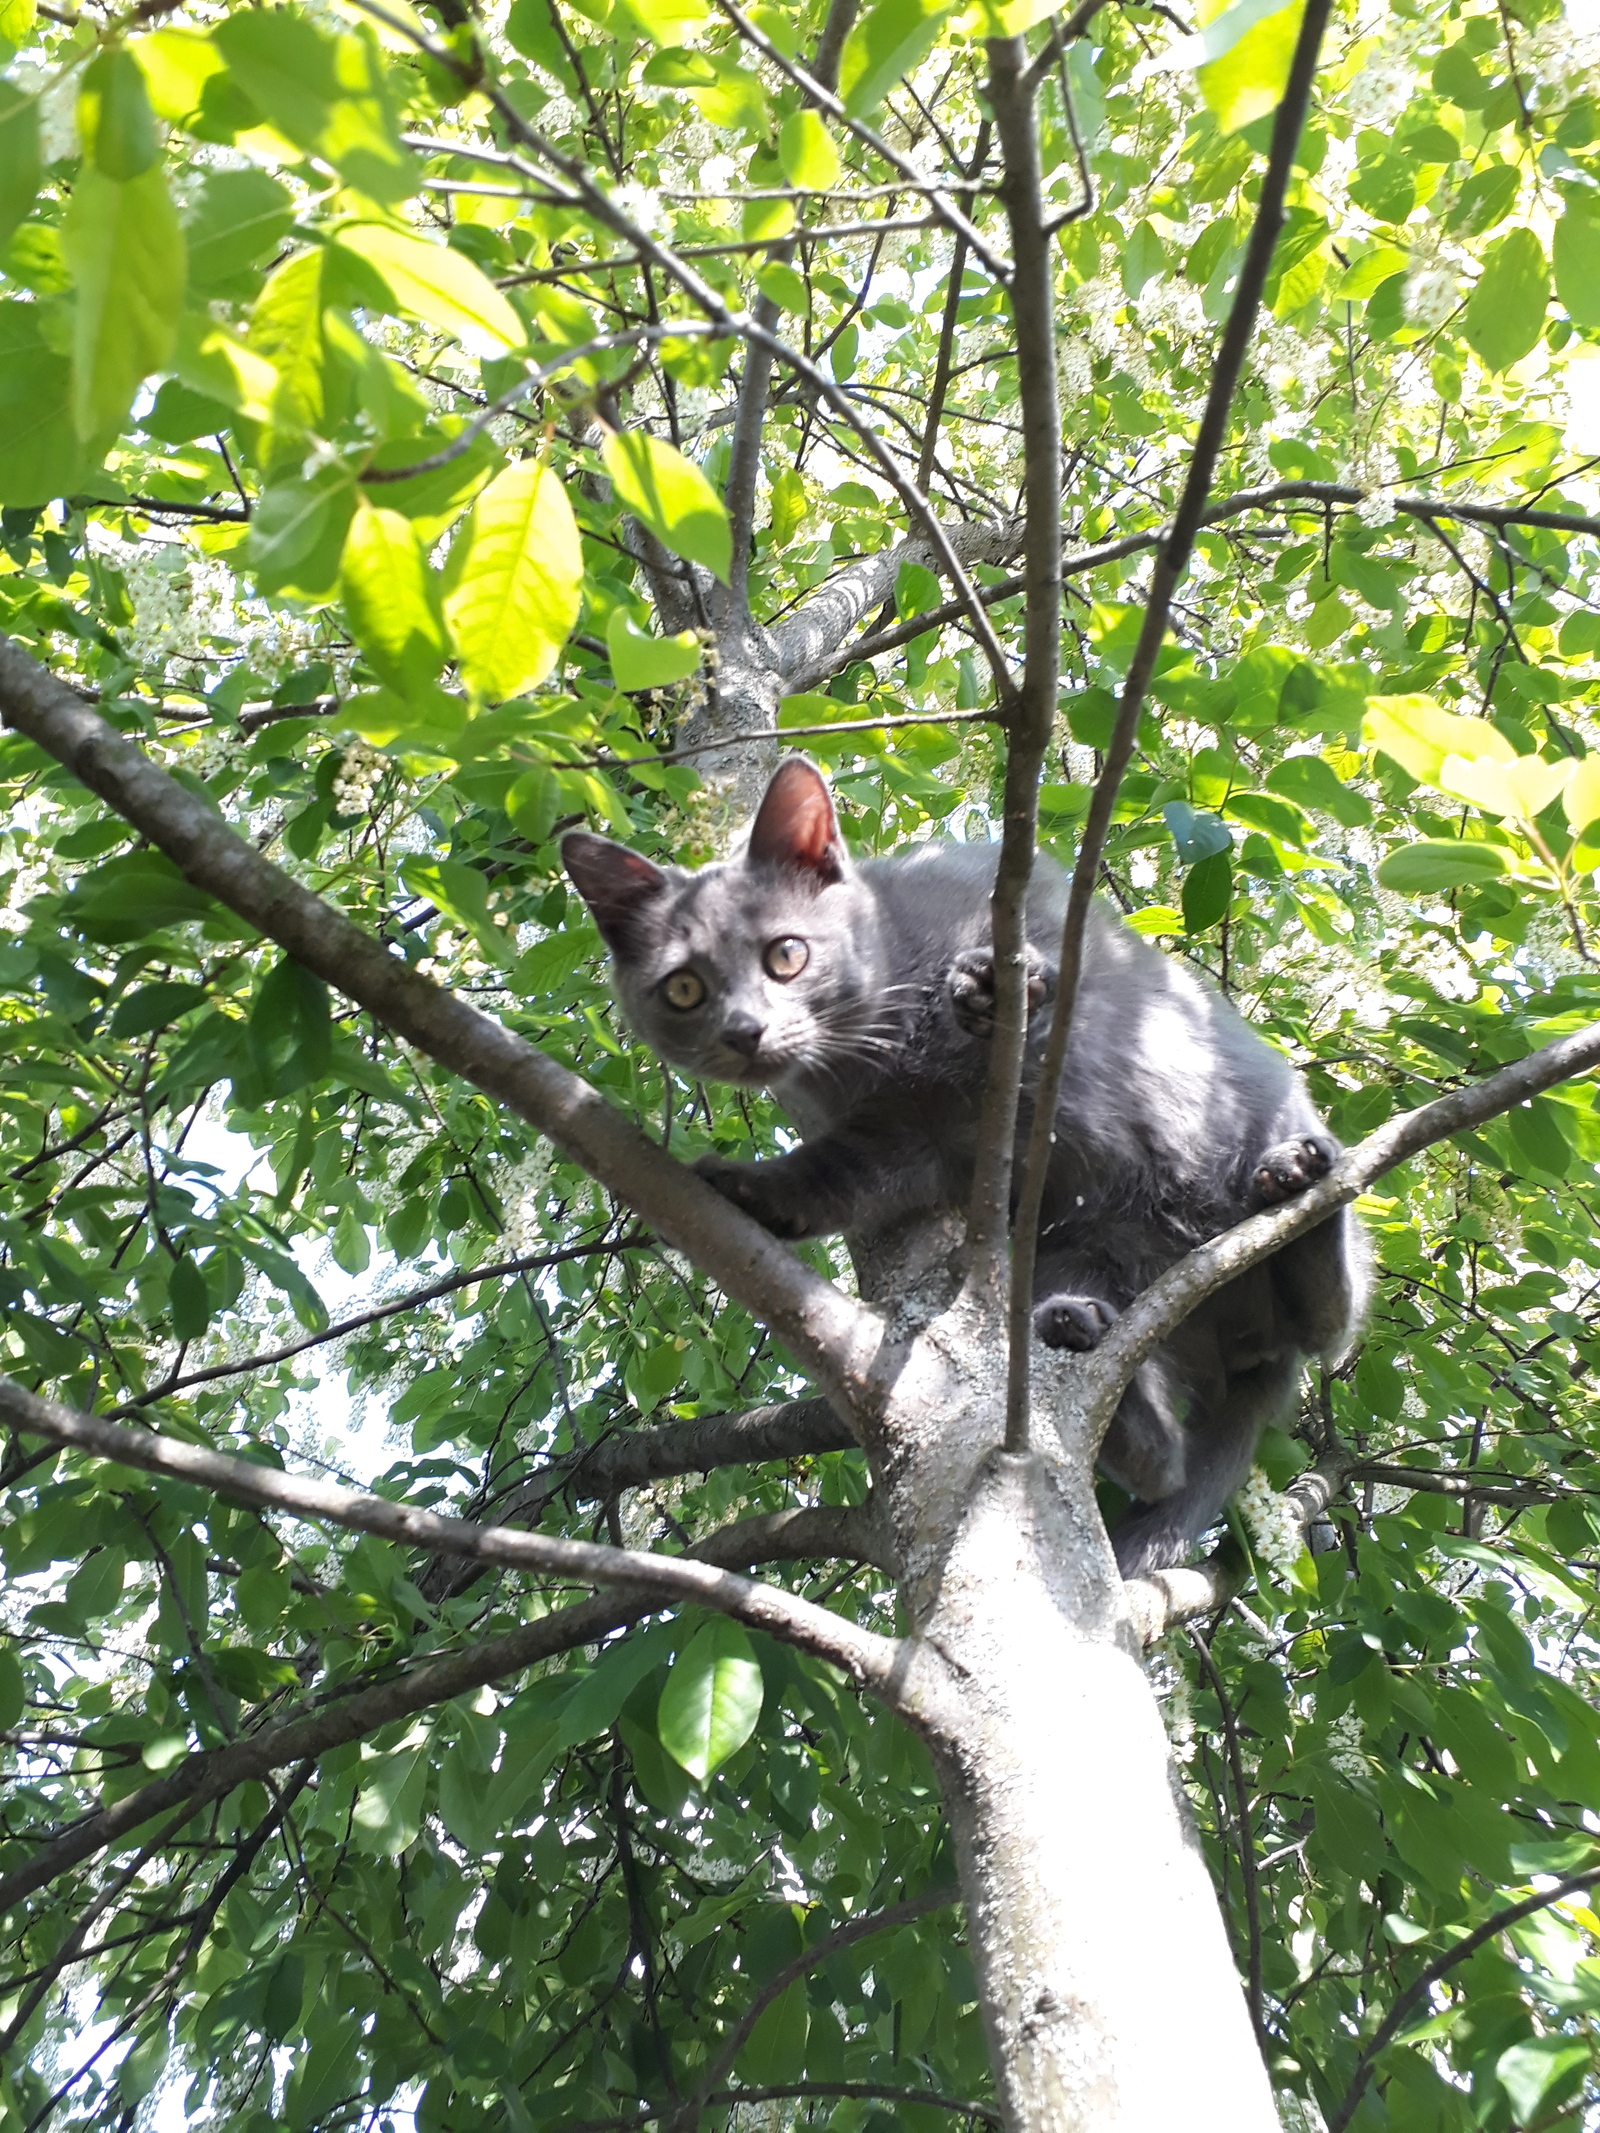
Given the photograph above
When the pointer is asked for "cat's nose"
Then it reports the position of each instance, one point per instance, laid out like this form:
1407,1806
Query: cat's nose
742,1034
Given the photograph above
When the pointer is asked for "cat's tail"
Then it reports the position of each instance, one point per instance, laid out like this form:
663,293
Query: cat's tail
1219,1448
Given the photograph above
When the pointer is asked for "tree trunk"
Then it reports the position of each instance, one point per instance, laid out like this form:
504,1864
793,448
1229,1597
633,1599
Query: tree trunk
1109,1991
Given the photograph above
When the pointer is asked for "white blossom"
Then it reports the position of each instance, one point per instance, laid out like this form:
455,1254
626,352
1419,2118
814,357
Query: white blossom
1431,294
1344,1746
1273,1522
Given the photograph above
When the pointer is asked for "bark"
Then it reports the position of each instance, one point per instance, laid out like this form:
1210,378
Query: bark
1091,1915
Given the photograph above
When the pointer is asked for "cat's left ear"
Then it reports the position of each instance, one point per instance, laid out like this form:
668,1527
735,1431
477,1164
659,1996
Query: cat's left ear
796,827
615,883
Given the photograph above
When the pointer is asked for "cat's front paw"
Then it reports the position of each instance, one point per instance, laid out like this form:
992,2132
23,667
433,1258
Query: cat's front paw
970,987
751,1188
1078,1323
1291,1167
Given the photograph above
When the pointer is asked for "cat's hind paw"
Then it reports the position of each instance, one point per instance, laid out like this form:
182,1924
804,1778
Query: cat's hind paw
1291,1168
1078,1323
970,988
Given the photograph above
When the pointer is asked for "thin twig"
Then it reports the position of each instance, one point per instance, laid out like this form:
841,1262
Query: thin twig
1171,563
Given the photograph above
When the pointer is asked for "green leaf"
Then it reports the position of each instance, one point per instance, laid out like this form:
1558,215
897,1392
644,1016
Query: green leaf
291,1033
326,94
1207,892
297,531
883,47
17,18
189,1300
20,168
12,1697
670,22
1505,312
774,2053
1522,789
1431,866
439,284
640,661
388,1811
1419,735
40,455
238,218
1248,47
1541,2071
1536,1128
115,120
127,256
1575,253
665,492
807,153
1197,835
1311,782
712,1699
392,600
140,892
153,1007
515,581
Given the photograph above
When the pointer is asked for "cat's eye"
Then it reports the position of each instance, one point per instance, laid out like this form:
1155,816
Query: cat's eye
786,958
683,990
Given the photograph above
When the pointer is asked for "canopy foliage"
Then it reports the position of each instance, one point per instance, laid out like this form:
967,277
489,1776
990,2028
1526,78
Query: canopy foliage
343,352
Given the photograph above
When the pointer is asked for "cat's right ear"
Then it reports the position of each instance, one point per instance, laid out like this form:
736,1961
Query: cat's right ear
615,883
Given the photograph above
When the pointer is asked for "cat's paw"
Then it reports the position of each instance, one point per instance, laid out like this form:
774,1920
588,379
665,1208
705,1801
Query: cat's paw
969,985
1290,1168
1075,1322
751,1189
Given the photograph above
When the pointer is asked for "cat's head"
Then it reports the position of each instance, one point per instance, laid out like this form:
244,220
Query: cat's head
749,970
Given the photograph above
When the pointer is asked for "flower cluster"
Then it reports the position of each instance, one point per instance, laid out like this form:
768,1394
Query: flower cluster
1273,1522
1344,1746
357,782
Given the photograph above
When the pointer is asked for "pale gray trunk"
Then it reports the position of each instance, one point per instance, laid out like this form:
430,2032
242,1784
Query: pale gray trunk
1108,1987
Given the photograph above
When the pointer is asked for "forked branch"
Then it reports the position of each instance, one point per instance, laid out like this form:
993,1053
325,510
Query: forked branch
668,1579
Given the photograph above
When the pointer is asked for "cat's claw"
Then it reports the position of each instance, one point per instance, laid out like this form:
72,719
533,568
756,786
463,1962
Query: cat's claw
1078,1323
1290,1168
743,1184
970,986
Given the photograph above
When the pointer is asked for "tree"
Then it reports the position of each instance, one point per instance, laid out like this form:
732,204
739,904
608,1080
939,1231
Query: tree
426,435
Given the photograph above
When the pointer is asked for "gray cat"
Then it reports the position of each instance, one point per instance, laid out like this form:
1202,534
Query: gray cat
862,994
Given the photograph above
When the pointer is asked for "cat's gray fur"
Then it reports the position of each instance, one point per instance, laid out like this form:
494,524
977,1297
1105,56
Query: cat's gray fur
1175,1119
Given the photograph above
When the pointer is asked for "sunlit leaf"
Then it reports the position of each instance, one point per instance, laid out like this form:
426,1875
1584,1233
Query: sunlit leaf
515,592
712,1699
440,285
1505,312
392,599
127,255
671,496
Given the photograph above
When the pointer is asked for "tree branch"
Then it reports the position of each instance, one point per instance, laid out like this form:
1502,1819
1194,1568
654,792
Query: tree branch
831,1334
811,635
1033,715
671,1580
823,97
169,1387
1155,1603
863,1926
1421,1985
205,1777
1088,560
1151,1317
1171,563
791,1429
744,456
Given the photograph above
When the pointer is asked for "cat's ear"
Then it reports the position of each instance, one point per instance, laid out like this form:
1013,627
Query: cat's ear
795,825
615,883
